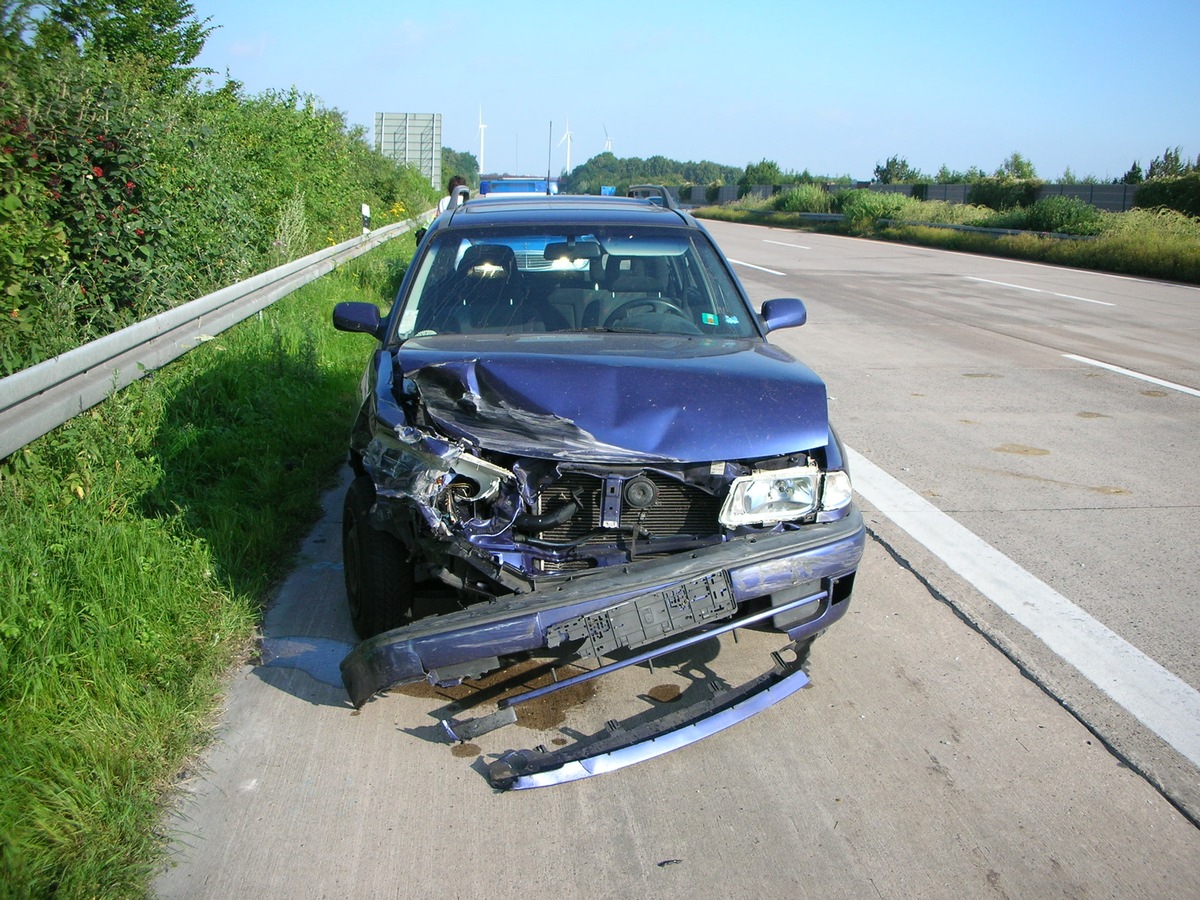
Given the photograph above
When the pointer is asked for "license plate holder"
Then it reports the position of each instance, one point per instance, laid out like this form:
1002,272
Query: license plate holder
642,620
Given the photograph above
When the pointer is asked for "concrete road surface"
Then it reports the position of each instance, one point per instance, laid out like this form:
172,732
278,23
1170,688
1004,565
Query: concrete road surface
930,757
1051,417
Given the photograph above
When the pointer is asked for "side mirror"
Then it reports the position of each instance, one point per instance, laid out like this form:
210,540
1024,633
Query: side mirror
361,318
419,234
784,312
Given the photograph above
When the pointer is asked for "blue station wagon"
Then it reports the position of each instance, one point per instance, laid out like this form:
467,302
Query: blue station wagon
574,426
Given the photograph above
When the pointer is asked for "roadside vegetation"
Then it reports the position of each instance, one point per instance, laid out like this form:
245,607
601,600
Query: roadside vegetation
139,543
1150,243
1159,238
126,188
1156,243
607,170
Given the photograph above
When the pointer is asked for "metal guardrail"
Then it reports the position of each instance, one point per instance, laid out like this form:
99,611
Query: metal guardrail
37,400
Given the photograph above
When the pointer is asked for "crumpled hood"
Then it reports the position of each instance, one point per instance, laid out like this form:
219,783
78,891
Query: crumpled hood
618,397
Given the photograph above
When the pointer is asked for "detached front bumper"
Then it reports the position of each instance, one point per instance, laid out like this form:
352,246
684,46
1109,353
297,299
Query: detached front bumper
619,746
708,584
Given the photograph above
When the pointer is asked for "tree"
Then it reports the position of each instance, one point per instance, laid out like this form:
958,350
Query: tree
1134,175
946,175
897,171
607,170
1016,166
456,162
765,172
162,35
1170,165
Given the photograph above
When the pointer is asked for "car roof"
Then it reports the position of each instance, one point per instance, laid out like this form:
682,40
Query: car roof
565,209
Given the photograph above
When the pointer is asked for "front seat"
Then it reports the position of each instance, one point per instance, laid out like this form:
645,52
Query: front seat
626,278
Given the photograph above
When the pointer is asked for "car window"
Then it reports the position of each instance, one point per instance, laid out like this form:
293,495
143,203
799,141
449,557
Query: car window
507,280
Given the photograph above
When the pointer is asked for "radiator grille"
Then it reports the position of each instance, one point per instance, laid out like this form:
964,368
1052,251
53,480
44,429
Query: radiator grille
678,509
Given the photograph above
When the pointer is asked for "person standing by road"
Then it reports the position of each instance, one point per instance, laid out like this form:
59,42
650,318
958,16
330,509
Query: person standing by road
455,181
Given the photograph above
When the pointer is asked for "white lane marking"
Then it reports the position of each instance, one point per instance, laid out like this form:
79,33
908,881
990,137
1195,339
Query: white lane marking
1084,299
1183,388
1020,287
738,262
782,244
1161,700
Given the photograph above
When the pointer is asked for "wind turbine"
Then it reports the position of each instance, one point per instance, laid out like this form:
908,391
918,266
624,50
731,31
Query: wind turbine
481,127
607,141
567,137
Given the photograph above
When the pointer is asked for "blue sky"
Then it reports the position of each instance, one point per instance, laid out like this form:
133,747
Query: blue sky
834,88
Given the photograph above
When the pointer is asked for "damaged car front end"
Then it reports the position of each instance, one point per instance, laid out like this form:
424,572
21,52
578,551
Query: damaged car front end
576,438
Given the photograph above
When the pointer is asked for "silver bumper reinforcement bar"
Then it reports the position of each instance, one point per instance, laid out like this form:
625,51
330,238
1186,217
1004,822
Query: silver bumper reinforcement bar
616,746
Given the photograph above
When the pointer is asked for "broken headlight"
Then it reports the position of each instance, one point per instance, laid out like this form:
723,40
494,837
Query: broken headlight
835,490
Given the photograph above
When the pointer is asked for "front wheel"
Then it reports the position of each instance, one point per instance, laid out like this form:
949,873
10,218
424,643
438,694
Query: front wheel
379,573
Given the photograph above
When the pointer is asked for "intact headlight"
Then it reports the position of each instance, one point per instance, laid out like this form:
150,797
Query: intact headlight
765,497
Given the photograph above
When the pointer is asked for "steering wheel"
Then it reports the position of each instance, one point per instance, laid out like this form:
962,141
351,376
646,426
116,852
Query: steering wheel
653,304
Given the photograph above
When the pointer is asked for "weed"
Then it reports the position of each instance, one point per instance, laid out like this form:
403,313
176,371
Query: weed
808,198
291,231
863,208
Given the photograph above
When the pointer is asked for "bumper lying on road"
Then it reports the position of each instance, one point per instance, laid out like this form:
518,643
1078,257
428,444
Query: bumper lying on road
468,643
618,746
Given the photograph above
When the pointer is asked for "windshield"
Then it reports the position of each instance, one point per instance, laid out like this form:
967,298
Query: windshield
656,281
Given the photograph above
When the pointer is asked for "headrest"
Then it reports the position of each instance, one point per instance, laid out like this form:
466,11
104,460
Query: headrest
489,259
636,273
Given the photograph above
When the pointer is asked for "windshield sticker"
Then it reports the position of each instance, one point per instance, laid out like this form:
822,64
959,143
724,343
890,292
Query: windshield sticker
708,318
732,320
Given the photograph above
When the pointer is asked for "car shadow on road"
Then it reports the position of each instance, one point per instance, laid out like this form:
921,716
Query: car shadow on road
306,630
302,686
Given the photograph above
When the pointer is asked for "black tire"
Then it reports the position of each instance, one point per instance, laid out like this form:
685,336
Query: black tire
379,573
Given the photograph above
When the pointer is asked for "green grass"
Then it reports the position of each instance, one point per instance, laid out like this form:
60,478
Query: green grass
1147,243
138,543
